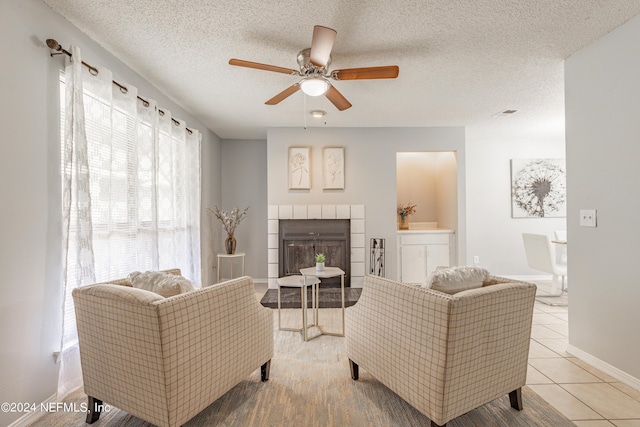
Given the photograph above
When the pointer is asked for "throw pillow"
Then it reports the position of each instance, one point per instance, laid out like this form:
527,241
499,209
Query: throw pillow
162,283
455,279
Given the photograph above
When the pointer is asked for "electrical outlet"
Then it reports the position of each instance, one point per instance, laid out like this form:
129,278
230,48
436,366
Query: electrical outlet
588,218
476,259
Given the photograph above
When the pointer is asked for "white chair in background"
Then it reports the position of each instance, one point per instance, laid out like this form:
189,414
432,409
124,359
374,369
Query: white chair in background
561,248
560,235
541,255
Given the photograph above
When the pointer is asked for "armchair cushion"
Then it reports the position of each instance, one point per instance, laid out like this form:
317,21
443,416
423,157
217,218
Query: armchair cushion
456,279
115,293
161,282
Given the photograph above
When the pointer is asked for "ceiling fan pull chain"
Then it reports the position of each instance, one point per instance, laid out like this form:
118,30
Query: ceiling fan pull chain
324,108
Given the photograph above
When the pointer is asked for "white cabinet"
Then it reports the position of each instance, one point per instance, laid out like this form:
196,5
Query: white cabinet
419,253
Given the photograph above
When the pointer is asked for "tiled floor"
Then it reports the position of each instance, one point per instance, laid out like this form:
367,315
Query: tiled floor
582,393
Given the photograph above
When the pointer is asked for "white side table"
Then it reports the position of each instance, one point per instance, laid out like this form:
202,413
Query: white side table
302,283
328,272
231,258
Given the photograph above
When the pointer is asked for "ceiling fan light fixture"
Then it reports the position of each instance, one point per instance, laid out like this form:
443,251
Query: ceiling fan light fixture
314,86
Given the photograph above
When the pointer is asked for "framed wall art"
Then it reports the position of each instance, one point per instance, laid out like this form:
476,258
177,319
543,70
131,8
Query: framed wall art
333,168
299,168
538,188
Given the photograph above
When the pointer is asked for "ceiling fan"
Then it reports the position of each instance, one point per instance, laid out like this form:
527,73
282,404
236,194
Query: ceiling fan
314,69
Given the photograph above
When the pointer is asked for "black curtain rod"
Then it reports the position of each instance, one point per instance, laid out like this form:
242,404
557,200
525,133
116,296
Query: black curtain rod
54,45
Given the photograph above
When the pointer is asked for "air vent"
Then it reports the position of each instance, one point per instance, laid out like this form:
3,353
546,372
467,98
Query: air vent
505,113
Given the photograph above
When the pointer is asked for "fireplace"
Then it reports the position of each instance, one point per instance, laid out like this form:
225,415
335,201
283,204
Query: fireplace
355,252
301,240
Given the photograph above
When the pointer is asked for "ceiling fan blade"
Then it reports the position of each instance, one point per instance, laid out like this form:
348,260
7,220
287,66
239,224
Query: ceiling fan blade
284,94
321,45
259,66
386,72
337,99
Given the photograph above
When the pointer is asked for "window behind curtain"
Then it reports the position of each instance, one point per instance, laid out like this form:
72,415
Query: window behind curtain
138,194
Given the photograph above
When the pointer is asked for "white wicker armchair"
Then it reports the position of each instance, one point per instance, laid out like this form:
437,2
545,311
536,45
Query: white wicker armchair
166,359
444,354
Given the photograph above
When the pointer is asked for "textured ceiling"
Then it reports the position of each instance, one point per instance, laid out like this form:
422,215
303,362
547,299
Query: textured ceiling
461,62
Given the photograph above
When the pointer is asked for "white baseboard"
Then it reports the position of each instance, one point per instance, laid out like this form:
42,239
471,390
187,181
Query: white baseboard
31,417
608,369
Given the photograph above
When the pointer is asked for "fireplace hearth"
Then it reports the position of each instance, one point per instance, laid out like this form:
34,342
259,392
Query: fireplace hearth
300,240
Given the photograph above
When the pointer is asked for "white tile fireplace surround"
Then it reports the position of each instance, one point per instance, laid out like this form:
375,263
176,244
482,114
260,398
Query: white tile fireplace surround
354,213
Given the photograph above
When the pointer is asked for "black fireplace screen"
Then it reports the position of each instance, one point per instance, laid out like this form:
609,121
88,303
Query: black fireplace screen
301,240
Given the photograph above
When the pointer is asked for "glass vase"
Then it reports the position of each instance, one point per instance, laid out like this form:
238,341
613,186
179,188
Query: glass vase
230,244
403,222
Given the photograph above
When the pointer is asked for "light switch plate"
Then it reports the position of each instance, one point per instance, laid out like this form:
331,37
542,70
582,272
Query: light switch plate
588,218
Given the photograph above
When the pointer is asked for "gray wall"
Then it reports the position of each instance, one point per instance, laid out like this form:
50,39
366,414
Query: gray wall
211,195
602,110
491,232
30,247
370,172
244,183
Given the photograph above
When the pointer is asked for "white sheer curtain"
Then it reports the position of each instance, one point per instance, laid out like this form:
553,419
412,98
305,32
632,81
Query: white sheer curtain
78,264
131,192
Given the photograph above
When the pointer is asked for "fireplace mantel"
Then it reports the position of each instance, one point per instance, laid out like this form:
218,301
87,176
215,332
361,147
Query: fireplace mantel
354,213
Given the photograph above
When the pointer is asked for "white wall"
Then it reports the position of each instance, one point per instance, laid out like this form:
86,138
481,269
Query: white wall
447,190
244,183
428,180
370,172
30,219
603,133
416,183
492,234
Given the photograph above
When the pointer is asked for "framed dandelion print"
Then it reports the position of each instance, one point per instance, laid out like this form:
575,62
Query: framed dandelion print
538,188
299,168
333,168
